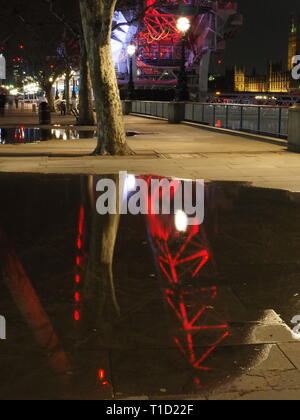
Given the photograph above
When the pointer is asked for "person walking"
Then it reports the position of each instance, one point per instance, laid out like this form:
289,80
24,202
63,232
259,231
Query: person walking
63,108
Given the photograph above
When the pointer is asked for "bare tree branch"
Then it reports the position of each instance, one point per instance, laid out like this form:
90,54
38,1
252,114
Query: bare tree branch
62,19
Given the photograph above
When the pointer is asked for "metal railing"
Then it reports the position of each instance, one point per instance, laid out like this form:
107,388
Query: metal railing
154,109
257,119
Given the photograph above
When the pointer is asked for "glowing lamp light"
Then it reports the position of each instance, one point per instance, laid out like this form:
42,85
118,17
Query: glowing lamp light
181,221
131,50
183,24
14,92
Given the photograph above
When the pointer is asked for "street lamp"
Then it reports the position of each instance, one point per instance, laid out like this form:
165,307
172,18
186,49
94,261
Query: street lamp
131,50
181,94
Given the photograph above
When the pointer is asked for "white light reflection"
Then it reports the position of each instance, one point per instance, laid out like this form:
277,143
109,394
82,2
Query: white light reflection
181,221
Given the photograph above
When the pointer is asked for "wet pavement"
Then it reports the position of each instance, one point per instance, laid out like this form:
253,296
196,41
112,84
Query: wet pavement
108,307
25,135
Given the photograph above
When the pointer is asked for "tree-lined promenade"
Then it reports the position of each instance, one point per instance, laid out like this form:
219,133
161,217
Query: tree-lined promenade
56,37
177,150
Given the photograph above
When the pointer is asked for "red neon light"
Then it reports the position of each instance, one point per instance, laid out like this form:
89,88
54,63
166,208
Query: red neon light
101,374
159,24
76,316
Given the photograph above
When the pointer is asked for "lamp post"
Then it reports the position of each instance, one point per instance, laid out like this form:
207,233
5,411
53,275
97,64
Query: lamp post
131,50
181,93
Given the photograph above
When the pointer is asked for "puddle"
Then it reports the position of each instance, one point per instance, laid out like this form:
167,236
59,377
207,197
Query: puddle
22,135
198,307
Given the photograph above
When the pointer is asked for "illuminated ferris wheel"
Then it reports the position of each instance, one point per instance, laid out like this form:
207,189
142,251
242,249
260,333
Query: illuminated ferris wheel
159,37
158,41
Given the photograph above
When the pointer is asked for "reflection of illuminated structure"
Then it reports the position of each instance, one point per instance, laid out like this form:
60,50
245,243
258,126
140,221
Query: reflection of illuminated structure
182,252
159,40
79,265
187,293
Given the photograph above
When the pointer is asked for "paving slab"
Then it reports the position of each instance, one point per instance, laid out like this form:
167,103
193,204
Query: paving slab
292,352
164,149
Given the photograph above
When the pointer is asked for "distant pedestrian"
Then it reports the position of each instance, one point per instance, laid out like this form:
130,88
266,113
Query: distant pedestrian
3,100
17,103
63,108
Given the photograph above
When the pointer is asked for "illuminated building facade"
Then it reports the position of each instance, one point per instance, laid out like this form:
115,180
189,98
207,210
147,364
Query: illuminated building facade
277,79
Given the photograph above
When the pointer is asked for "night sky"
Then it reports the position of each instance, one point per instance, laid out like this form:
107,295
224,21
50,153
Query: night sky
264,35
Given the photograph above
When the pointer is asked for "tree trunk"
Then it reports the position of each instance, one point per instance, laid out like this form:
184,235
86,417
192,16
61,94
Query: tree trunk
86,112
97,18
67,89
49,95
100,304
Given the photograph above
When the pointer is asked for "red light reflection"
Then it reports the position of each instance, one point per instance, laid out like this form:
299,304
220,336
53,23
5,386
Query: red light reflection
79,261
181,257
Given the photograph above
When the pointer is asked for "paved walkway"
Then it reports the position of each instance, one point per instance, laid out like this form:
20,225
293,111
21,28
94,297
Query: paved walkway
169,150
188,152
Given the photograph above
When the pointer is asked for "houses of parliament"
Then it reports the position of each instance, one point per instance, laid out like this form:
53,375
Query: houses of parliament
277,78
